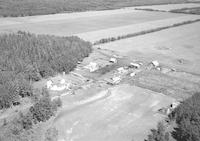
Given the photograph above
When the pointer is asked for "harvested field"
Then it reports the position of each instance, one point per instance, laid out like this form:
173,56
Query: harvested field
114,117
66,24
176,47
112,34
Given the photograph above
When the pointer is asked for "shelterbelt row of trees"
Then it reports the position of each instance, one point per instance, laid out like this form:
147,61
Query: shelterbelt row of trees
26,57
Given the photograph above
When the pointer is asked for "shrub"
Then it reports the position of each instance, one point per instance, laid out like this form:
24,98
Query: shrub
7,98
44,109
158,134
57,102
51,134
26,121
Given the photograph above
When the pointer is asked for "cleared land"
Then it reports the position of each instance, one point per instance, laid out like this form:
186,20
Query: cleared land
114,117
17,8
176,47
123,21
139,28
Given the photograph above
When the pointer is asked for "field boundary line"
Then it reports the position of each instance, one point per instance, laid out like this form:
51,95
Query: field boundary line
112,39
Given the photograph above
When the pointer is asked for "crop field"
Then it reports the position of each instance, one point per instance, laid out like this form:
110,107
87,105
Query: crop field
179,50
65,26
136,29
13,8
93,26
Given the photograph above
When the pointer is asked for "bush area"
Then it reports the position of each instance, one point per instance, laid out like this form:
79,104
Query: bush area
26,57
22,128
15,8
195,10
158,134
187,117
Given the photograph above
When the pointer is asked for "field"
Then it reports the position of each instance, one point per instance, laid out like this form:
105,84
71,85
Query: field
179,50
13,8
93,26
114,116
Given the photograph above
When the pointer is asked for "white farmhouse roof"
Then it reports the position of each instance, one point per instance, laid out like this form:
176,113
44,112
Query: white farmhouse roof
155,63
113,60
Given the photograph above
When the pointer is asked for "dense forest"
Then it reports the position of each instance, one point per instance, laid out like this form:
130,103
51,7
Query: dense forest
26,57
15,8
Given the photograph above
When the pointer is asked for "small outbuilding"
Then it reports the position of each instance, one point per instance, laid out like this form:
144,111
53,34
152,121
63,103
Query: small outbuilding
116,80
121,70
113,60
92,66
135,65
155,63
49,84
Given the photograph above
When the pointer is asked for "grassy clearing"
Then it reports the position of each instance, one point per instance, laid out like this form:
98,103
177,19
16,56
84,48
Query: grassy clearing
195,10
112,39
13,8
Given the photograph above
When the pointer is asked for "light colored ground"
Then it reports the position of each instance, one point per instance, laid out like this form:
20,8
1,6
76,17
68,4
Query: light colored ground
70,24
170,7
176,47
126,113
94,36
